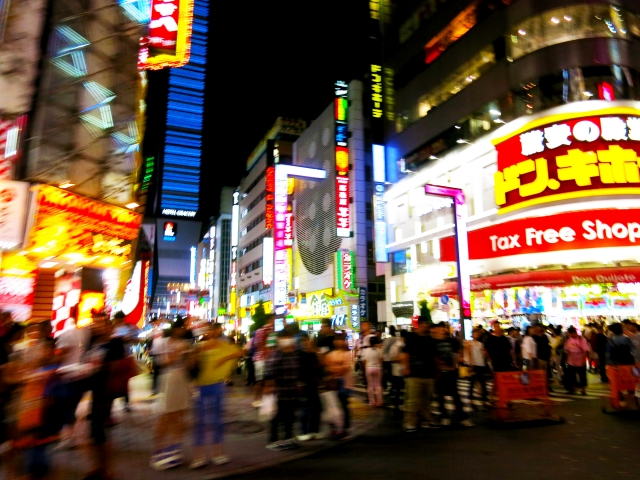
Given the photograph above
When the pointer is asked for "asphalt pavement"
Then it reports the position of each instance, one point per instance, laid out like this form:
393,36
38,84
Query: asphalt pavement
588,445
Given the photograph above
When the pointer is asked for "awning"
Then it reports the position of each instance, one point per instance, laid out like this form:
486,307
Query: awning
549,278
402,309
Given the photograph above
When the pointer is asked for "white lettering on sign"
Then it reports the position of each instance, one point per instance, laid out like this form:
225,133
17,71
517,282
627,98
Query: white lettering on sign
504,243
601,230
178,213
612,129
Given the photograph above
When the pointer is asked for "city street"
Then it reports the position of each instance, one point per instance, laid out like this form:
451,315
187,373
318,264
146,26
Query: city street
589,445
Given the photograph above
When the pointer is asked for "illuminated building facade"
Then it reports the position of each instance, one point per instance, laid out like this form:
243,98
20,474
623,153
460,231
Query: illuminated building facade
254,211
506,100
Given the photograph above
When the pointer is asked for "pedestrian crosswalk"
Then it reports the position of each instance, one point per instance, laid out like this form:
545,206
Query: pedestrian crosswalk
475,399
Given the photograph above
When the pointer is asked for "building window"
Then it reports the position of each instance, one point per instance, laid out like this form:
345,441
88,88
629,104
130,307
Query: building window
571,23
399,263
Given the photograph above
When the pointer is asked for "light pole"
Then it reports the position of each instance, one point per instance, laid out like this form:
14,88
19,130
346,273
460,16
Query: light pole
462,250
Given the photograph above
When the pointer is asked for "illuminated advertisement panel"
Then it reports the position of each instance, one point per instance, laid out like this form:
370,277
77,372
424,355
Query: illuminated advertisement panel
168,40
267,261
17,286
269,214
341,116
346,264
380,223
569,156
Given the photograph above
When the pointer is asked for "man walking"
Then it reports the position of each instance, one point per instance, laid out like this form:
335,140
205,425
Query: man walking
576,348
419,363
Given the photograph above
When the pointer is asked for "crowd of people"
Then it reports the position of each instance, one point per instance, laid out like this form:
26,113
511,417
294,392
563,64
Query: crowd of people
302,385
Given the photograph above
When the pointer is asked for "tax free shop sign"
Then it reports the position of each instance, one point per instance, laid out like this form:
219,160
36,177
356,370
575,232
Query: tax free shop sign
564,231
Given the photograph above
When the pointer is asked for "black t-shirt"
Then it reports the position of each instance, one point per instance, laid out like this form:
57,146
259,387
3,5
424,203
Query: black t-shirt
310,369
499,350
326,342
422,353
543,347
446,349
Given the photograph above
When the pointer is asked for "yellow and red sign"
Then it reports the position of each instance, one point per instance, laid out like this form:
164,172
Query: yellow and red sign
168,42
569,156
90,302
17,286
85,230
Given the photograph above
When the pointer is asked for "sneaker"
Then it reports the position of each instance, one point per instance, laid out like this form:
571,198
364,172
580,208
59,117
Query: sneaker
429,425
467,423
221,460
445,422
409,429
304,438
166,460
199,463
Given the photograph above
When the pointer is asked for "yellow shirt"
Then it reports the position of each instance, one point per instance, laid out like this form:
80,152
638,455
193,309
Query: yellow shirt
210,372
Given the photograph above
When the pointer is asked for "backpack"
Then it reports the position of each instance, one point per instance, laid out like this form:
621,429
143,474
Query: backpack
620,354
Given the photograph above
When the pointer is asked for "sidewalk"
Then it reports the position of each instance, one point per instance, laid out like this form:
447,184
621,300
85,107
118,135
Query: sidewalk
245,438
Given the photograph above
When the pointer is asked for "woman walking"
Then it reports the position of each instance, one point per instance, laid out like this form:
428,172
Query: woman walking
372,358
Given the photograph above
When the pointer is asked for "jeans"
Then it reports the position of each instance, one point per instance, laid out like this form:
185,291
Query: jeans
447,386
571,373
208,415
397,385
286,415
418,395
343,396
311,411
374,385
479,375
387,377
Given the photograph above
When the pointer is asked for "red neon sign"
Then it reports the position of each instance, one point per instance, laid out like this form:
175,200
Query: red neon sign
343,223
270,207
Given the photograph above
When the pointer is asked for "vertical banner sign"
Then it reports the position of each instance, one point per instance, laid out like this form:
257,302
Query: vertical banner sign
343,224
346,270
377,96
362,302
270,188
168,40
281,261
389,95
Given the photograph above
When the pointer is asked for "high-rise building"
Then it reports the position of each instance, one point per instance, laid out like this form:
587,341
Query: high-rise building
173,154
525,106
253,217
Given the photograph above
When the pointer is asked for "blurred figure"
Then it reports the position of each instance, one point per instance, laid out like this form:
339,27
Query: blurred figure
338,366
543,351
387,343
397,374
630,330
476,357
557,347
174,401
447,353
310,376
361,344
324,343
499,349
282,371
419,366
620,349
529,349
260,355
577,349
515,337
129,335
372,360
601,341
214,359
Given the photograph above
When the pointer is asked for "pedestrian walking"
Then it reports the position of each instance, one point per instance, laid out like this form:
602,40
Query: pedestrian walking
577,349
260,355
397,373
338,364
529,349
213,361
387,343
601,341
620,349
310,377
476,358
372,359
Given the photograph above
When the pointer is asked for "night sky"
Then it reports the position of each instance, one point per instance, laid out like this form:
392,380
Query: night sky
269,59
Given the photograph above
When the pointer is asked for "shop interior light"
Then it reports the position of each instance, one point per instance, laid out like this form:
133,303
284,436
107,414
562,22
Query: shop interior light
499,120
567,18
132,205
522,32
555,20
48,264
66,185
587,94
462,140
433,157
495,112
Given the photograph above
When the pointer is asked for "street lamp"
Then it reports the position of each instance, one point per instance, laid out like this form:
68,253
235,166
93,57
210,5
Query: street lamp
462,251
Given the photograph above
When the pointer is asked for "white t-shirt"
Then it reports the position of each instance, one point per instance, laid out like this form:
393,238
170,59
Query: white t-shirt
529,348
77,341
394,352
373,357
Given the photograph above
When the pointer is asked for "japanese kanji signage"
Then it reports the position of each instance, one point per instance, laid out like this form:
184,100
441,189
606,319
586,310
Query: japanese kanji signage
168,42
569,157
269,213
563,231
341,115
346,270
362,301
376,91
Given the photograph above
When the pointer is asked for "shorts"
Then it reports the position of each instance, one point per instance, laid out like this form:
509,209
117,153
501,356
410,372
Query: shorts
258,366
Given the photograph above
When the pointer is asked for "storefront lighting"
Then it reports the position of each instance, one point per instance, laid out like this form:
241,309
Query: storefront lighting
433,157
567,18
132,205
462,140
499,120
48,264
522,32
66,185
587,94
495,112
555,20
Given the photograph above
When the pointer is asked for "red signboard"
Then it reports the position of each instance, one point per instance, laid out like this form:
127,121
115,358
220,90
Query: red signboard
168,42
270,188
343,224
516,385
569,156
564,231
550,278
288,229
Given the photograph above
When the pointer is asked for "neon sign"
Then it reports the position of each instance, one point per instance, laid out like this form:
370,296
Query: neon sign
168,41
567,157
341,116
376,91
269,213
